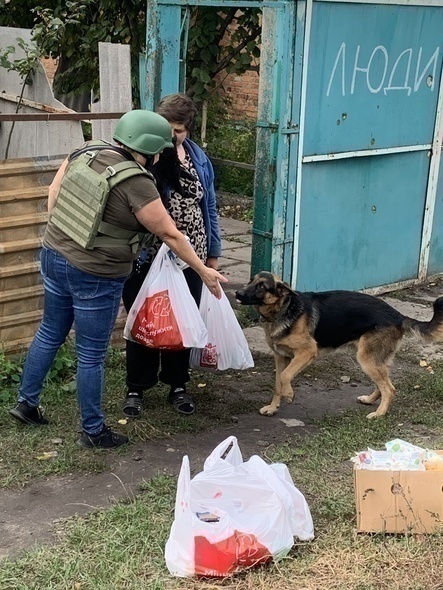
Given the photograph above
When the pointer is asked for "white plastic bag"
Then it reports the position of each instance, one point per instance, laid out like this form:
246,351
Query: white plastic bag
234,515
164,313
226,347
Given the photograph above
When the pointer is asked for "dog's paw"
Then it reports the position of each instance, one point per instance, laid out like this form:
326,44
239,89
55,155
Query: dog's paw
373,415
268,410
365,399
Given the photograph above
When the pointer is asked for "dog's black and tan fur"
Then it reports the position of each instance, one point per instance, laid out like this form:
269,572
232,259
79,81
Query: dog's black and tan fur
299,326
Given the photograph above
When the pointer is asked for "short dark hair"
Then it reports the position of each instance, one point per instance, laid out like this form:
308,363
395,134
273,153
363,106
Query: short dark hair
178,108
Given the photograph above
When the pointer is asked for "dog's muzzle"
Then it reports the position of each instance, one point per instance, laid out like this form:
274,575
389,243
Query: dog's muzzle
245,298
240,295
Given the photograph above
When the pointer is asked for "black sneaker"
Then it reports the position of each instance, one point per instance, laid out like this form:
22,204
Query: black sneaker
106,439
26,414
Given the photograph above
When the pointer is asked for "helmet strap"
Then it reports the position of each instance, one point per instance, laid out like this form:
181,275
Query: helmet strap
149,161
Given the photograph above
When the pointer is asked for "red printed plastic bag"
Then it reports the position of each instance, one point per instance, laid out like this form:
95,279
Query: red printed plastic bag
234,515
155,325
164,313
223,558
226,346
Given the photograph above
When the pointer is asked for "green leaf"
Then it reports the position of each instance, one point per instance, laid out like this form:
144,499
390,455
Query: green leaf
204,76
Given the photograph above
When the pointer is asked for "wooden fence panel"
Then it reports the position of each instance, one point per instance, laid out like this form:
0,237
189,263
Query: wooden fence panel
23,197
23,216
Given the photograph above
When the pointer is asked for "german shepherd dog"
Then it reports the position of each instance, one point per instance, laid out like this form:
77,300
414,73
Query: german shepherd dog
299,326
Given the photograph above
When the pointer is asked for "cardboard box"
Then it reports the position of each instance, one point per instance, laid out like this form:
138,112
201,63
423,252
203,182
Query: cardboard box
399,501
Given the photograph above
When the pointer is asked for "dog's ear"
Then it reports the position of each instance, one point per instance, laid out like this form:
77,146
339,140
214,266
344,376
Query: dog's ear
282,288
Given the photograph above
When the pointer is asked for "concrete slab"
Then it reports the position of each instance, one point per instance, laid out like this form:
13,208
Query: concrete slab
239,238
242,254
231,227
236,273
418,311
236,242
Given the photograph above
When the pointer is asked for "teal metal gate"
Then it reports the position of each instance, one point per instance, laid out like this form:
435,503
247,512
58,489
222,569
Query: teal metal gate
163,71
347,191
365,171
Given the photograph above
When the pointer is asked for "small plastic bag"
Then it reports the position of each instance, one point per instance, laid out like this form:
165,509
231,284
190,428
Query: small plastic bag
164,313
399,456
234,515
226,346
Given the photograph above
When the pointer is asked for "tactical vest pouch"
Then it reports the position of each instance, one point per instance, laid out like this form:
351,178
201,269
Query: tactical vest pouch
82,199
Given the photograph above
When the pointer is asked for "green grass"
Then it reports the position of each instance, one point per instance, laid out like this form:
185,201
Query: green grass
219,398
246,316
122,548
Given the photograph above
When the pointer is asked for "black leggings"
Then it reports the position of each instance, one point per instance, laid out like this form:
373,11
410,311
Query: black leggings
143,363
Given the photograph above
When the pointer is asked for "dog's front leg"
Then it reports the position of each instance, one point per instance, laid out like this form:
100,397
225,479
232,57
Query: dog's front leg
281,362
301,360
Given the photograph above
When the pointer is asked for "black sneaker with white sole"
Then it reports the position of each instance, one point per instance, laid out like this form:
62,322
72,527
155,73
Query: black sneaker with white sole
106,439
32,416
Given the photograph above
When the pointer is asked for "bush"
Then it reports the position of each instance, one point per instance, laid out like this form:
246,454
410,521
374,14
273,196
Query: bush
62,372
10,373
229,140
233,141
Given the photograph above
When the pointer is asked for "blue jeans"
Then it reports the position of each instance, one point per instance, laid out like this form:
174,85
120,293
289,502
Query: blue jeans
89,302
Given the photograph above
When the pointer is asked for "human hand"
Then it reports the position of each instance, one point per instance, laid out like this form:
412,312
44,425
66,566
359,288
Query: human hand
212,279
212,263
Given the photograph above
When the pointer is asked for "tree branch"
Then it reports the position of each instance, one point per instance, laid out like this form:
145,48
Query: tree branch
230,16
229,57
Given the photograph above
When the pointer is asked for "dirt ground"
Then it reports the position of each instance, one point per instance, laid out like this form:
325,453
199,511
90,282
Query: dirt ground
29,517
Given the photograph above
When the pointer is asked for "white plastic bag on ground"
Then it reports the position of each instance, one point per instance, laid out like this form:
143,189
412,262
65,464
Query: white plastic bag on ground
234,515
226,346
164,313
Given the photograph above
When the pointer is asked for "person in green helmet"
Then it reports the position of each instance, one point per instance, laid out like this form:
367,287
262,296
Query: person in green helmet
83,287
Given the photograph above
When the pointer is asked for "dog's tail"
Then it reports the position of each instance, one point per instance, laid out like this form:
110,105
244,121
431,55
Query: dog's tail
431,331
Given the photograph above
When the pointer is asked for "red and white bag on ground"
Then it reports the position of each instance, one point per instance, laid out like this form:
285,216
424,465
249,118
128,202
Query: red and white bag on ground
234,515
226,346
164,313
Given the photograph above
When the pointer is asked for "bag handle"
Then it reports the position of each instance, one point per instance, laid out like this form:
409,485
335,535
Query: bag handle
183,496
158,261
228,450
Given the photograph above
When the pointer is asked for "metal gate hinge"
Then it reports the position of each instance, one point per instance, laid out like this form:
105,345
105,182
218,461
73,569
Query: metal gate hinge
284,242
259,232
290,130
267,125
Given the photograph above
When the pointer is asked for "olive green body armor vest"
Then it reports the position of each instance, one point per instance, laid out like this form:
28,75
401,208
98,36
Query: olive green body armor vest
82,199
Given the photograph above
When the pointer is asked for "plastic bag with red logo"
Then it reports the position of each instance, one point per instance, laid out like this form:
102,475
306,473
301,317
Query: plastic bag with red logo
226,347
164,313
234,515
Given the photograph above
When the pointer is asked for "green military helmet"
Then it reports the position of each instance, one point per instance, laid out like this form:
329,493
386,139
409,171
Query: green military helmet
144,132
